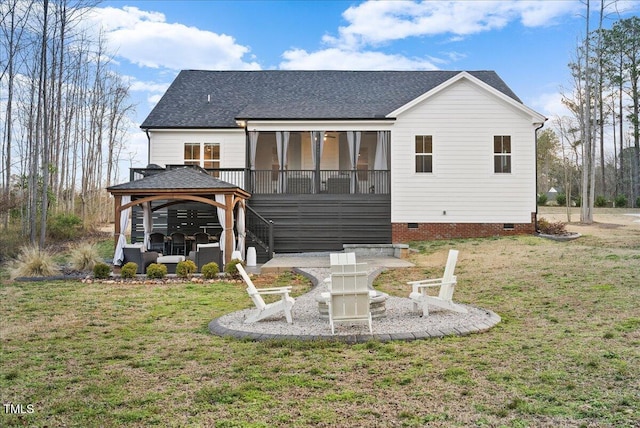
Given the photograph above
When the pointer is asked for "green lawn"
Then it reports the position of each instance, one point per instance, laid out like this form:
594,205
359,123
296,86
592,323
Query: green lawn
567,352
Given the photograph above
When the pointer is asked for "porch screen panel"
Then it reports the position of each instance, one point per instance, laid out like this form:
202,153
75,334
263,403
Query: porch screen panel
381,162
282,146
253,147
317,143
353,139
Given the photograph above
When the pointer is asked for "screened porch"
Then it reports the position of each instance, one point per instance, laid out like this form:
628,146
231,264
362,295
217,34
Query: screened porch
334,162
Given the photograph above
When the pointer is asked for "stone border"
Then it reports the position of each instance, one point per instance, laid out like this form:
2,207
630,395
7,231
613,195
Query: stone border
560,238
481,324
217,329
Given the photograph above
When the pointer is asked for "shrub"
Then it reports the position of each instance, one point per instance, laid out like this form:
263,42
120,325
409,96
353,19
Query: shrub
230,268
84,257
600,202
156,271
542,199
551,228
129,270
11,239
64,226
638,202
620,201
210,270
561,199
578,201
185,269
101,270
33,261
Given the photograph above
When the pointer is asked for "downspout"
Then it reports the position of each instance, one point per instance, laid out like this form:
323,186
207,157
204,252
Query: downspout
146,131
247,161
536,169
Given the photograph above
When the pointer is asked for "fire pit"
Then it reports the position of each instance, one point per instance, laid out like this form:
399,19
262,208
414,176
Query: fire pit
377,304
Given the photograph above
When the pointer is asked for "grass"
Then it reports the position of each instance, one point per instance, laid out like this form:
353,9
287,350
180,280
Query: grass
567,353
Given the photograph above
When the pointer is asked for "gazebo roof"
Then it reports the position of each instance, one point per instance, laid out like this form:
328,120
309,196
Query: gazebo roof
180,184
180,179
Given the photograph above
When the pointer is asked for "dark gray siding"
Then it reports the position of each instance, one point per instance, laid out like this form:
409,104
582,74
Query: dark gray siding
325,222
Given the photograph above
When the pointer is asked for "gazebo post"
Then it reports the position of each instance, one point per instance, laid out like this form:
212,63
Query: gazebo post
116,222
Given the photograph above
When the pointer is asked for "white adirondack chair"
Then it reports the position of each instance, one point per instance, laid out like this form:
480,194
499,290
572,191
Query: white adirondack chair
342,258
446,284
264,310
349,297
337,261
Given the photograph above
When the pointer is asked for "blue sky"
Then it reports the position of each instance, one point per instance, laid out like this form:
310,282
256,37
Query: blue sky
528,43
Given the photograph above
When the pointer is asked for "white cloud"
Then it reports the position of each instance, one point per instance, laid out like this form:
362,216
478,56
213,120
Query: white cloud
138,85
342,59
146,39
376,22
550,104
153,99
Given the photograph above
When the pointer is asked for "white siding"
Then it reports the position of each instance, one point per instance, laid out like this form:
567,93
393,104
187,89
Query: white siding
463,119
167,146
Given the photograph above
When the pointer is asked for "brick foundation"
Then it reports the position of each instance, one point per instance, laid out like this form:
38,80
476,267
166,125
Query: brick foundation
401,233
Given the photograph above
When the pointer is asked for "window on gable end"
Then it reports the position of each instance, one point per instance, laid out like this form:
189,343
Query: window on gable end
502,154
424,153
192,154
211,155
205,155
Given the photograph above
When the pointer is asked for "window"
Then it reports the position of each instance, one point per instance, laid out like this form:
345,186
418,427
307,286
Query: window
206,155
192,154
211,156
424,153
502,154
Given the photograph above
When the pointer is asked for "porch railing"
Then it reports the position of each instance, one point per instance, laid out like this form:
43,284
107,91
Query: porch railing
307,181
260,230
297,181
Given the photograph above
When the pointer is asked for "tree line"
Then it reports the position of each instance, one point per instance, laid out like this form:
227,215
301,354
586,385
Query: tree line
63,114
595,153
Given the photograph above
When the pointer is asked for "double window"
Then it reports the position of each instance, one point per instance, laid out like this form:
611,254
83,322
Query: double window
424,153
502,154
206,155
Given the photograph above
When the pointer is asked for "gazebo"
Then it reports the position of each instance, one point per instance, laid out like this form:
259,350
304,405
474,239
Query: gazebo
176,186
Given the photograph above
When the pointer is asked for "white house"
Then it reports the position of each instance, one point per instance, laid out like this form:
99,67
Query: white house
336,157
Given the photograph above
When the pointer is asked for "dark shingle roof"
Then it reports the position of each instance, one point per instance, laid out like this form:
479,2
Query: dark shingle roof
175,179
215,99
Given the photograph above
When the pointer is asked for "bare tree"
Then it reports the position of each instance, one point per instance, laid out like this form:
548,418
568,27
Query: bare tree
14,16
568,132
67,109
587,72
